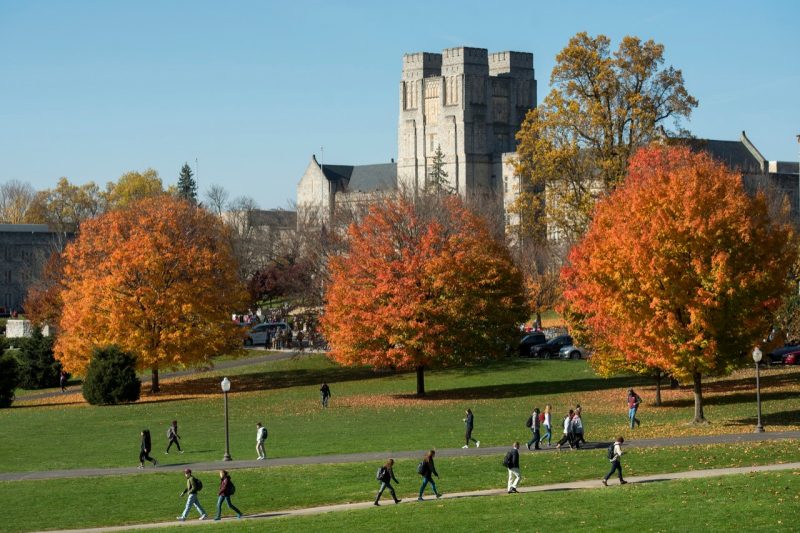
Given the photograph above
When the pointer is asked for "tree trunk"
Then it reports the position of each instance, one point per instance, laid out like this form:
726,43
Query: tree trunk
420,380
658,389
154,381
699,417
538,321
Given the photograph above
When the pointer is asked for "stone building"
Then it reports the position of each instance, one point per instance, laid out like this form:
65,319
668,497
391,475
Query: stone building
24,249
465,101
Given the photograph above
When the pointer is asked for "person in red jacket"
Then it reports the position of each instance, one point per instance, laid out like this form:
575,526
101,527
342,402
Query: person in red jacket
226,489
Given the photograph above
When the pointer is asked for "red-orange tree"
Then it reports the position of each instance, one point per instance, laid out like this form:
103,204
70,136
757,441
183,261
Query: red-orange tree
157,279
422,284
680,269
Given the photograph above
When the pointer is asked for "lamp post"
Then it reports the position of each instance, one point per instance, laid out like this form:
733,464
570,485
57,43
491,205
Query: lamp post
757,358
226,386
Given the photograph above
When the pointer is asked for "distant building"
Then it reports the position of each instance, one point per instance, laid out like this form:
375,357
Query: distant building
24,249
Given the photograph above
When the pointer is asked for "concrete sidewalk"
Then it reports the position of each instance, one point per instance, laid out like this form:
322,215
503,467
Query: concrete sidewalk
731,438
573,485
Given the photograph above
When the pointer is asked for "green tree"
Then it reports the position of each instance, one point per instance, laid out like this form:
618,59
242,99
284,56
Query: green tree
187,187
38,367
132,187
603,106
437,177
111,377
9,378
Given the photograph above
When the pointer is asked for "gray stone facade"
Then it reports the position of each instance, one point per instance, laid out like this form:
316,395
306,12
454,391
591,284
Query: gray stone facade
24,249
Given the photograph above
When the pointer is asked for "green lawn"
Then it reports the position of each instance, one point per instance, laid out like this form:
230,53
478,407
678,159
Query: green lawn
369,412
153,496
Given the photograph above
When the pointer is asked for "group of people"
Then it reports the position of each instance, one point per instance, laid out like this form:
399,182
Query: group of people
146,443
224,493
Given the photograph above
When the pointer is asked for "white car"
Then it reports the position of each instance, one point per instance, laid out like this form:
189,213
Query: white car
261,333
573,352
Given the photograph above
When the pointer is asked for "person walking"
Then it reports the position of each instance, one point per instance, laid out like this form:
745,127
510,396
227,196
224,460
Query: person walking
193,486
567,437
534,423
511,462
633,405
325,394
548,424
385,476
614,455
469,424
261,436
427,470
577,428
172,437
62,380
144,450
226,490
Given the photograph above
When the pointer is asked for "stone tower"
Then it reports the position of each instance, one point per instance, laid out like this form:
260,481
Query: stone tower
469,102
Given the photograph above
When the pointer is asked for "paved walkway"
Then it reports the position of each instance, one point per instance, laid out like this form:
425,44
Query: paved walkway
272,355
573,485
381,456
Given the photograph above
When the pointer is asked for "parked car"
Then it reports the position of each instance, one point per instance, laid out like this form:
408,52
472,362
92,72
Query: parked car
572,352
549,350
778,355
262,333
792,358
530,340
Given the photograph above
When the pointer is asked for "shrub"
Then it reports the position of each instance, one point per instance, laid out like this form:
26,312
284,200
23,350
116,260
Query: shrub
9,378
38,368
111,377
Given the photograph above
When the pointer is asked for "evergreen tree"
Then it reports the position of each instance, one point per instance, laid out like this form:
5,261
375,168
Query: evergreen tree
9,378
38,367
187,187
437,177
111,377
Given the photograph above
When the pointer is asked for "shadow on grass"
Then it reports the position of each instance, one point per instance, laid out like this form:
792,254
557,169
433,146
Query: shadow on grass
15,405
783,418
731,399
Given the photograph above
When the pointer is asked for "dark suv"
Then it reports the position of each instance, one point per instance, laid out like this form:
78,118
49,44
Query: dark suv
549,350
530,340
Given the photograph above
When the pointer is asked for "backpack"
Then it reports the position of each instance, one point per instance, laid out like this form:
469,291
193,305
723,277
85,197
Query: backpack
264,433
381,473
421,468
198,485
529,423
507,460
541,417
611,452
231,487
169,432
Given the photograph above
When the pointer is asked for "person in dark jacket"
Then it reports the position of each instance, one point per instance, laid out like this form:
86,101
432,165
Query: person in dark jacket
427,471
511,462
469,423
192,486
144,451
172,435
224,494
534,423
386,475
568,435
325,394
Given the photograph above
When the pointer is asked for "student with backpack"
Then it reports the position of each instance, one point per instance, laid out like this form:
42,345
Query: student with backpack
226,490
546,421
325,394
534,424
511,462
633,405
261,436
427,470
614,455
144,450
172,437
577,429
385,475
193,486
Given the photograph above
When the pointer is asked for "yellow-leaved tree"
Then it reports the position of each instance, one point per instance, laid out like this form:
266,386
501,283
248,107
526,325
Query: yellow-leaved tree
157,279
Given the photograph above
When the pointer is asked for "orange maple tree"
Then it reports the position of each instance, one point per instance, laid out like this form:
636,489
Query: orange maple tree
422,284
157,279
680,270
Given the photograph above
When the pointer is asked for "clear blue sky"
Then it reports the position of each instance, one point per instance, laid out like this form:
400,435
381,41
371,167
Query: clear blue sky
92,89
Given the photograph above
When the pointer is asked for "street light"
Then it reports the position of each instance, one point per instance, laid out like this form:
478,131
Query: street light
226,386
757,358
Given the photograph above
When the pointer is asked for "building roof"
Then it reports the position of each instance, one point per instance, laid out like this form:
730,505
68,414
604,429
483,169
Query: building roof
363,178
25,228
734,154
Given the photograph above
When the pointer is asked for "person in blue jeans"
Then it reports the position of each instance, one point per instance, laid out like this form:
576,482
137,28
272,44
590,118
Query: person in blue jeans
633,405
427,471
226,489
615,455
192,486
